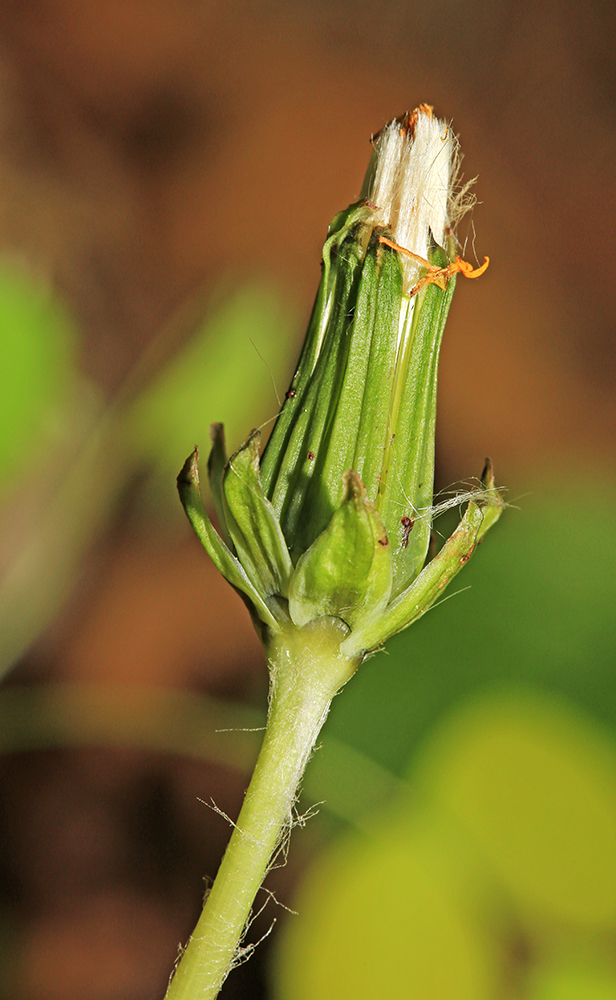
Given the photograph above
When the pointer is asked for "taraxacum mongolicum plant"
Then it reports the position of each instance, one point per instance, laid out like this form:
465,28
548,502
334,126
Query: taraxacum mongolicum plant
326,535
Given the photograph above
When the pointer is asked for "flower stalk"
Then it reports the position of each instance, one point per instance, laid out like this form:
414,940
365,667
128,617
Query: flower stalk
326,535
306,669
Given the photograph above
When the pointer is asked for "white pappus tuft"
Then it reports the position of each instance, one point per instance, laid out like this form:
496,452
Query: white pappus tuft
410,183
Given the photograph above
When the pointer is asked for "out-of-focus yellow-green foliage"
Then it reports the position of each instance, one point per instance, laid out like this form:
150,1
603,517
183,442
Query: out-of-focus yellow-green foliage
37,366
563,979
387,915
504,844
534,786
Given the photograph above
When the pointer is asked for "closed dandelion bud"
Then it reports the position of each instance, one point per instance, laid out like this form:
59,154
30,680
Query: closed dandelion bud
327,535
334,520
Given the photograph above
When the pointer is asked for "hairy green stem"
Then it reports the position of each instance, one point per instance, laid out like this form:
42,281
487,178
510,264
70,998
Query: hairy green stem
307,669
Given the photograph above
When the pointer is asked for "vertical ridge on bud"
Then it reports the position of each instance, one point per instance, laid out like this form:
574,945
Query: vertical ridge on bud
295,454
357,425
408,465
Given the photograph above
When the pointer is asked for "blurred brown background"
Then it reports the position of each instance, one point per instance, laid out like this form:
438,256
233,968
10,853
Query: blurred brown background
152,150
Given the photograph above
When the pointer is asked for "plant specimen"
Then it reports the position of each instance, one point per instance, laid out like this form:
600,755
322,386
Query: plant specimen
327,535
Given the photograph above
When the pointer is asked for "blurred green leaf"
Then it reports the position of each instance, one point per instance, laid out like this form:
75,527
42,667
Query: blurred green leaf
37,365
533,784
224,375
219,374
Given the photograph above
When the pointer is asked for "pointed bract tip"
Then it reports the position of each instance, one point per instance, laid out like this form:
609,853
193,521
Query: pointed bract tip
492,501
189,473
487,476
353,486
217,433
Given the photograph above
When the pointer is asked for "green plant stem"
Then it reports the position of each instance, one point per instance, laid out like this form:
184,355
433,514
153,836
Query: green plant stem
307,669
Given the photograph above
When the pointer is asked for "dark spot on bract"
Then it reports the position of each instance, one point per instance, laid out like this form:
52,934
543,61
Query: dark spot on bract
407,526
